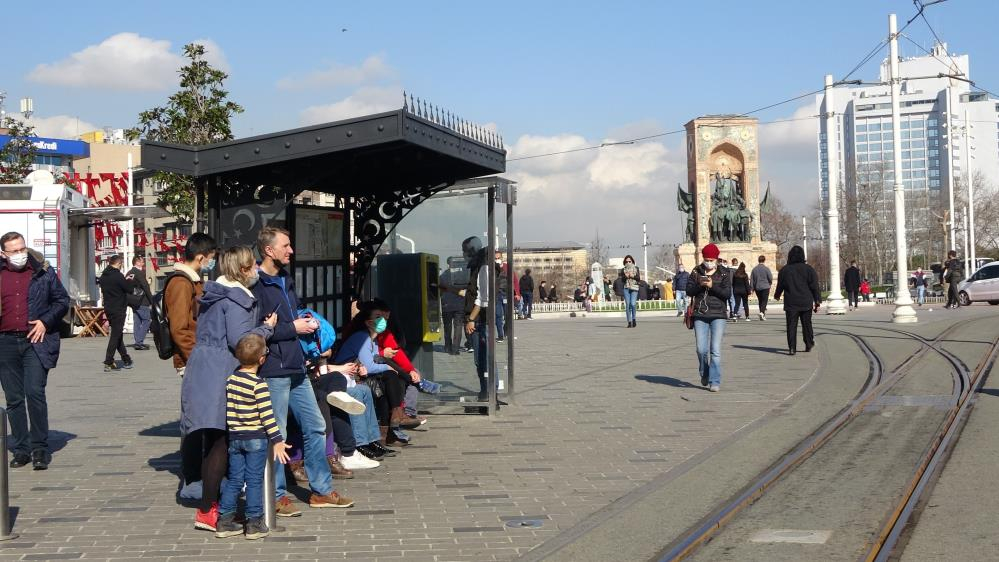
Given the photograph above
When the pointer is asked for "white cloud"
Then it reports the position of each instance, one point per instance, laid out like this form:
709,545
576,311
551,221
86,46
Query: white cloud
214,54
612,189
124,61
60,126
362,102
372,69
789,158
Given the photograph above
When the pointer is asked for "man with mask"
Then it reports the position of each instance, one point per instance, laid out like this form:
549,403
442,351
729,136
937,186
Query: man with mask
181,294
138,300
284,371
115,290
32,304
477,307
680,289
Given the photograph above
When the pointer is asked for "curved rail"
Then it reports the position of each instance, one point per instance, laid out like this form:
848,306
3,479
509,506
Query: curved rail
877,384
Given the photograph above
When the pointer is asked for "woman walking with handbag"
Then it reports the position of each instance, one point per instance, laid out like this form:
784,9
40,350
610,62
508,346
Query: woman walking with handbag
708,286
631,278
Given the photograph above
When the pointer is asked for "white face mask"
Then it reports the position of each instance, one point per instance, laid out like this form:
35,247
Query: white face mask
18,261
709,264
251,281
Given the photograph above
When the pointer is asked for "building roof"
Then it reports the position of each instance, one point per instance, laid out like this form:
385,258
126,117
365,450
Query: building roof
549,245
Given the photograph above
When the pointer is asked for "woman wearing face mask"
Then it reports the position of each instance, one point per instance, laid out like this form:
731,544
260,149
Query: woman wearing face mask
708,286
227,312
386,387
631,278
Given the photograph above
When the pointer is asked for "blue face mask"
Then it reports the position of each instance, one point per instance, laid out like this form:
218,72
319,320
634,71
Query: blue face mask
210,265
380,325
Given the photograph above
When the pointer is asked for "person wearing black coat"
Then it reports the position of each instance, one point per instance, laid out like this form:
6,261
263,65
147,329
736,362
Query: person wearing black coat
139,301
708,287
115,290
851,282
740,291
799,284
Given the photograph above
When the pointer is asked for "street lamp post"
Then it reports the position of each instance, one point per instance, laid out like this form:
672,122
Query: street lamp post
904,313
835,303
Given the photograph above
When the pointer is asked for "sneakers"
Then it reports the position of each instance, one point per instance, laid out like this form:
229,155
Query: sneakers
357,461
127,364
227,526
19,460
763,316
40,459
704,380
337,469
429,387
331,499
714,388
284,507
207,520
345,402
112,366
747,318
255,529
382,450
370,453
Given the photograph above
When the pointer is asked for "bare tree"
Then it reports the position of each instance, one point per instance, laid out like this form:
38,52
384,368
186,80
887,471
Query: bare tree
779,226
598,252
986,213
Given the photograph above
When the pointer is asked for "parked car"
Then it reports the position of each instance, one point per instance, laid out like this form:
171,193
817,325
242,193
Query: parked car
983,285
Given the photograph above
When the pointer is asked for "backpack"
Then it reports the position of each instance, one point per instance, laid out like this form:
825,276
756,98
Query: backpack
318,342
159,323
619,286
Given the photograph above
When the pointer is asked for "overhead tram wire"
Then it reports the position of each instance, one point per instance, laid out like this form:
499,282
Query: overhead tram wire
960,76
873,52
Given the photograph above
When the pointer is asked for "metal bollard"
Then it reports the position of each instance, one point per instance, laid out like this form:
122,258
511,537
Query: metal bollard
270,515
6,533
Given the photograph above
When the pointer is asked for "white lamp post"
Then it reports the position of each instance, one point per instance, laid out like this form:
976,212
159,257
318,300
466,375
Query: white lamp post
835,303
904,313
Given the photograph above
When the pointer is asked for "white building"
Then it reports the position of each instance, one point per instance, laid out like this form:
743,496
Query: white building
933,152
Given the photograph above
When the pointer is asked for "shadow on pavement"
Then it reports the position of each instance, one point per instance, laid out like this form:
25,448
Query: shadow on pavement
779,350
989,391
59,439
169,429
668,381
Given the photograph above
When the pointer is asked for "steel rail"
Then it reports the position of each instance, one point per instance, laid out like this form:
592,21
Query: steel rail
877,384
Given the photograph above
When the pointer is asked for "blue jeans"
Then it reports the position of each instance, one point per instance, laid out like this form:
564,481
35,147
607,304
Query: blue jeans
364,426
630,302
247,458
140,321
708,334
295,393
500,311
732,303
23,379
681,301
921,295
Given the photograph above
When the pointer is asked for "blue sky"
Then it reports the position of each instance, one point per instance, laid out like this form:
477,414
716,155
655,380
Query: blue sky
547,75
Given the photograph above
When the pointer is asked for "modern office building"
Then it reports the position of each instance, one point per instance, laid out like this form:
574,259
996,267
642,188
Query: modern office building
934,159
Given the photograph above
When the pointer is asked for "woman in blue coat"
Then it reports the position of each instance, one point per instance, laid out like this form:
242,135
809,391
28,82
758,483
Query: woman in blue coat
227,312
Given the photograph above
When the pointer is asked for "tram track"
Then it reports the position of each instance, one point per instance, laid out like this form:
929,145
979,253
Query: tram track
878,384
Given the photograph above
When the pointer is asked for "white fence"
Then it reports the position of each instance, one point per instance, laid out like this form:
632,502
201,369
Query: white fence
602,306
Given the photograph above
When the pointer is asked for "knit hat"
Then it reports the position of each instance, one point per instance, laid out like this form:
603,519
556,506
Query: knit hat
710,252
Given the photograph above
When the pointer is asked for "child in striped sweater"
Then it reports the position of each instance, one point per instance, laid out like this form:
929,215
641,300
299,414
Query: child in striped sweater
251,425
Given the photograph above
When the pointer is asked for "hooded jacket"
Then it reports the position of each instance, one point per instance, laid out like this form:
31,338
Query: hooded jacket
227,312
798,283
276,293
180,297
48,302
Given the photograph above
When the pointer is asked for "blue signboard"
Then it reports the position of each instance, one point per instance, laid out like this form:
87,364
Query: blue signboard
64,147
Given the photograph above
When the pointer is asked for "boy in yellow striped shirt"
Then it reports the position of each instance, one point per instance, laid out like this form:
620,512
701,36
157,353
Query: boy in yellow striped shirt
251,425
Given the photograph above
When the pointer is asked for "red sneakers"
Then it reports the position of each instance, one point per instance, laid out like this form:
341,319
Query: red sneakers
207,520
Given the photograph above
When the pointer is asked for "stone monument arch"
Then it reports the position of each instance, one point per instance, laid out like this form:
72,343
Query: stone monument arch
723,197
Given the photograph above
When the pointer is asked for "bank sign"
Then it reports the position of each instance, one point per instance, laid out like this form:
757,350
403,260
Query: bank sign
63,147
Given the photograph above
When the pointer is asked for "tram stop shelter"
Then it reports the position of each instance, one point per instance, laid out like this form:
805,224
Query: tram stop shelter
375,169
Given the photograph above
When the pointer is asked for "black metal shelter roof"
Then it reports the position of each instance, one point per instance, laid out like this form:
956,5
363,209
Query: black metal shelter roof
384,152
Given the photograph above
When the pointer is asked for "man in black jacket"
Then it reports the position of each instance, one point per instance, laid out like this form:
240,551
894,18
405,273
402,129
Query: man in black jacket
851,282
527,292
801,284
115,289
138,300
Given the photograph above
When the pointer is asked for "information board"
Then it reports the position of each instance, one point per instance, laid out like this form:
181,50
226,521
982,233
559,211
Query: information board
318,234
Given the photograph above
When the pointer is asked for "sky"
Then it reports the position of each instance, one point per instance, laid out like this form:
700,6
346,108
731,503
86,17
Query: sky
548,76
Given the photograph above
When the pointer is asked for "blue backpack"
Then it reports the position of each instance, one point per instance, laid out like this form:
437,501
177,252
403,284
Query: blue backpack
318,342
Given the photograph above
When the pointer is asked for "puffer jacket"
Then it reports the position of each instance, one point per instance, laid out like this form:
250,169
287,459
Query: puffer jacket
709,304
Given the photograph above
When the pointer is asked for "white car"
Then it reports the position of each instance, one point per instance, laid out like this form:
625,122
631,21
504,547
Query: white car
982,286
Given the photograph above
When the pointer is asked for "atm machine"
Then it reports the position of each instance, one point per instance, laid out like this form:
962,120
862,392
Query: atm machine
408,283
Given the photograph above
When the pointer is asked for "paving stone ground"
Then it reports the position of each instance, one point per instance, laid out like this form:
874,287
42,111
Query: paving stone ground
600,410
